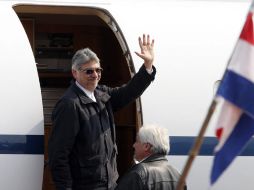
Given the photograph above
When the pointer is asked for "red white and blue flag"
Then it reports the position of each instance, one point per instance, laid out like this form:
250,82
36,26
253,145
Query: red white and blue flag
235,125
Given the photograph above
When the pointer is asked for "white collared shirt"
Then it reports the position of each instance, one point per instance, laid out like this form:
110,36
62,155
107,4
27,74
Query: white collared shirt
137,162
87,92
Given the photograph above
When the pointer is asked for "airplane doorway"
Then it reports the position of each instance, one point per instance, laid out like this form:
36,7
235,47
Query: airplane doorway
55,33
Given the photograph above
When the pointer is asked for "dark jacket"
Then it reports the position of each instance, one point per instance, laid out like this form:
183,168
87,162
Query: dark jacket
153,173
82,145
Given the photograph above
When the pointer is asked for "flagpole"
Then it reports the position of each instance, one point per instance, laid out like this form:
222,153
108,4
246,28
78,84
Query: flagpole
195,149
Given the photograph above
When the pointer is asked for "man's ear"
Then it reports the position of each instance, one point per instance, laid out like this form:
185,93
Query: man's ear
74,73
148,147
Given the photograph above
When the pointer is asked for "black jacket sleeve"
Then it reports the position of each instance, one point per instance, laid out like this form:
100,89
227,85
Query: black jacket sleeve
121,96
65,128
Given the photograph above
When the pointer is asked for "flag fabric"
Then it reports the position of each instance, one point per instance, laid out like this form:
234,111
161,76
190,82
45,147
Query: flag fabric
235,125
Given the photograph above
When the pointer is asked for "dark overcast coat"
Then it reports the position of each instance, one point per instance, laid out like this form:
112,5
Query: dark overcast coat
82,145
153,173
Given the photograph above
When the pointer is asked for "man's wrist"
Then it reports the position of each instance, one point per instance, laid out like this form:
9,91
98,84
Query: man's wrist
149,71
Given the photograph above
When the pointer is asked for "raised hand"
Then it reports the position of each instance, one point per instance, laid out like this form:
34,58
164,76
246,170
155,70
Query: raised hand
147,54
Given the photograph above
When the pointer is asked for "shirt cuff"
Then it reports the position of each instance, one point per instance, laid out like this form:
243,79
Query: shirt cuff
149,71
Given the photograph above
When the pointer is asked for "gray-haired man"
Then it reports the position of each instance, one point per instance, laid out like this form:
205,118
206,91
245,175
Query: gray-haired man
82,145
153,172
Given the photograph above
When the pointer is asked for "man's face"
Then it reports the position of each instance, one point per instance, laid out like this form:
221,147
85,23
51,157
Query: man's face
88,75
141,150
